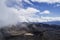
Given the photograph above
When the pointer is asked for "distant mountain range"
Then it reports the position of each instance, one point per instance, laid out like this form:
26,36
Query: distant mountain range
53,22
50,31
44,25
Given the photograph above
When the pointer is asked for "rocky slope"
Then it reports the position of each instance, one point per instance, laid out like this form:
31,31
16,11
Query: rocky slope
30,31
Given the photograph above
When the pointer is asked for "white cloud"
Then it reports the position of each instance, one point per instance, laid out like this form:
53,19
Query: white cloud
58,5
7,15
51,18
28,1
12,15
45,12
14,3
25,14
48,1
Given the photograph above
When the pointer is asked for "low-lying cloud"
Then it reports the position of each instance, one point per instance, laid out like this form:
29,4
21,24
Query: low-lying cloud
12,11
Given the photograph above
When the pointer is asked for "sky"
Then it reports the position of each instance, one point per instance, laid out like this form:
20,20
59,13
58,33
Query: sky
13,11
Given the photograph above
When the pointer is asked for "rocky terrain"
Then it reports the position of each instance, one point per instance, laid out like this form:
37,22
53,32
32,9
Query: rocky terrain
30,31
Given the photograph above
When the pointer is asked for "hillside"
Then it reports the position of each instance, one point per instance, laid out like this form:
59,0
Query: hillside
30,31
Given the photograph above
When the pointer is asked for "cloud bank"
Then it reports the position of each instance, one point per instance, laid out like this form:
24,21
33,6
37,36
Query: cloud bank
45,12
12,11
47,1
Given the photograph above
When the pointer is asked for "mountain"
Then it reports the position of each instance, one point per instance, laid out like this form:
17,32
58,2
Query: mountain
30,31
53,22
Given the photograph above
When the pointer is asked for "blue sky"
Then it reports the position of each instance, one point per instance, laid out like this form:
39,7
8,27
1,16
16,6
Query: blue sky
52,7
45,6
29,11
